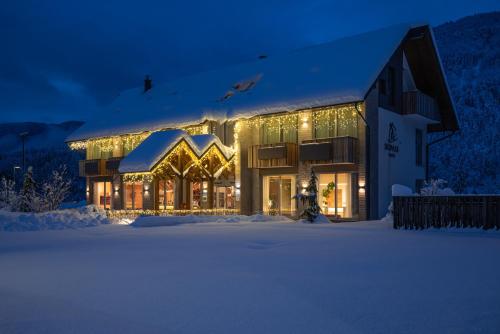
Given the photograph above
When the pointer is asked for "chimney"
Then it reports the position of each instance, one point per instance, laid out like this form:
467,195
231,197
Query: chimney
148,84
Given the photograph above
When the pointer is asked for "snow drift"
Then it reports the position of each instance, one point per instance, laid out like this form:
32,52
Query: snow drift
53,220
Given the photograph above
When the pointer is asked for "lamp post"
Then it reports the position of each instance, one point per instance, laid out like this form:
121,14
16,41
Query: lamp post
14,168
23,136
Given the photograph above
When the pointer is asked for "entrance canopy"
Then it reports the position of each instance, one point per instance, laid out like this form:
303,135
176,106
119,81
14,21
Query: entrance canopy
176,153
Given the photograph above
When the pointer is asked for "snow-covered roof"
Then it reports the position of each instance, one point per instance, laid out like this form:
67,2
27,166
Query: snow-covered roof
145,156
337,72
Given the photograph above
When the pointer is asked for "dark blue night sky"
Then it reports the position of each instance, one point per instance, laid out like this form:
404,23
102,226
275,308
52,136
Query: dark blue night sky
60,60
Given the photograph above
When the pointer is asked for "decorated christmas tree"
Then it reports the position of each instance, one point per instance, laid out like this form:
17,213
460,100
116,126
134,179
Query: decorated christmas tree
310,199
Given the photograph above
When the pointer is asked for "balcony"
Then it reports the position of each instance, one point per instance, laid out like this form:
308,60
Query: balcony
417,103
99,167
272,155
330,150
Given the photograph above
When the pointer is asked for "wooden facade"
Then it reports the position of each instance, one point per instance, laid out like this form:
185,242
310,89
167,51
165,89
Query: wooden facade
273,155
330,150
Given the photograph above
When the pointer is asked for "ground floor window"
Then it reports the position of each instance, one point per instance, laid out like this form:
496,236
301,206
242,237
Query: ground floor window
277,194
165,194
224,197
102,194
337,194
133,195
196,194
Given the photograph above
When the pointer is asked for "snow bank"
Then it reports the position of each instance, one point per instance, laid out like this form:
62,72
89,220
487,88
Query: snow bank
320,219
52,220
151,221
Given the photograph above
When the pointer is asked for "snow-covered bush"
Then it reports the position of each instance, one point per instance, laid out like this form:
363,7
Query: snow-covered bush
56,189
53,220
9,198
435,187
32,198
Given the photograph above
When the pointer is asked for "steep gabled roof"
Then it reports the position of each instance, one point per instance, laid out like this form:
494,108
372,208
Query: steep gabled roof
338,72
154,148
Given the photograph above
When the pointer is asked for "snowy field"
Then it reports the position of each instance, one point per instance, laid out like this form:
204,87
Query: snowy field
249,277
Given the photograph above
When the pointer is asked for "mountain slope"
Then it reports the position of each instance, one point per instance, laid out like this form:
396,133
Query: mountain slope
45,151
40,135
470,52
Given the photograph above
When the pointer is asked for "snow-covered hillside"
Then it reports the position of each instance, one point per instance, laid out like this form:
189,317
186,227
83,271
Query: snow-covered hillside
45,151
470,51
40,135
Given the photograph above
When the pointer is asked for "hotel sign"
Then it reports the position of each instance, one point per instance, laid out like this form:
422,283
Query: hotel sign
391,145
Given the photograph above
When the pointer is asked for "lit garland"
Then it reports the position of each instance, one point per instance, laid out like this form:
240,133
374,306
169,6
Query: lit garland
197,129
337,118
78,145
133,213
138,177
166,164
345,115
110,144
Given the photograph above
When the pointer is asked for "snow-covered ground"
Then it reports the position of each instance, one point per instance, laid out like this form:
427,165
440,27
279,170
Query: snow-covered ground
250,277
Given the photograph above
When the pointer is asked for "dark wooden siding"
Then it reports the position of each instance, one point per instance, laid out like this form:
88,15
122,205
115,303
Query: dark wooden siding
273,155
421,212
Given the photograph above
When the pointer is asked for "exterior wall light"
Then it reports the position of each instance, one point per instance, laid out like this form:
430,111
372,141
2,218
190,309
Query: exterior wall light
361,187
305,122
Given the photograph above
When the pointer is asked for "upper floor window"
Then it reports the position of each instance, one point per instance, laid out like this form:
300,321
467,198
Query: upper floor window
335,122
279,129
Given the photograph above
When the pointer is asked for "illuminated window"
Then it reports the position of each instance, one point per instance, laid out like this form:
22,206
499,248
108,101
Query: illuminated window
102,194
337,195
277,196
133,195
165,194
279,129
336,122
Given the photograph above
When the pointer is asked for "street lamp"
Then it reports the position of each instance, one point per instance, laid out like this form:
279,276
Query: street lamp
14,172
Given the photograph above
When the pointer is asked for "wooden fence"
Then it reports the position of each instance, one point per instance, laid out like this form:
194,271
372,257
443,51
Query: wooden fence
421,212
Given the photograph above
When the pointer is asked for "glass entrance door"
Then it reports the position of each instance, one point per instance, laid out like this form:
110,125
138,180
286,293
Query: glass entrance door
277,196
102,194
223,198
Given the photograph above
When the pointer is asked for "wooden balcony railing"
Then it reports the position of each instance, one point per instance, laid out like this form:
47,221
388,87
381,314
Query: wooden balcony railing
418,103
332,150
99,167
272,155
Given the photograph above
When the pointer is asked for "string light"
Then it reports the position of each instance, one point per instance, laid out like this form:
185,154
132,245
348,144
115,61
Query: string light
137,177
197,129
133,213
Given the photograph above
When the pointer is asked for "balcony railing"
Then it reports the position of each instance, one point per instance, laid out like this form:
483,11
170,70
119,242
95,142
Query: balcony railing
331,150
99,167
418,103
272,155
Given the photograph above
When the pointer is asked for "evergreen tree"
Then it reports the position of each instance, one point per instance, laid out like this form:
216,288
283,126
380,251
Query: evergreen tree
28,198
310,199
